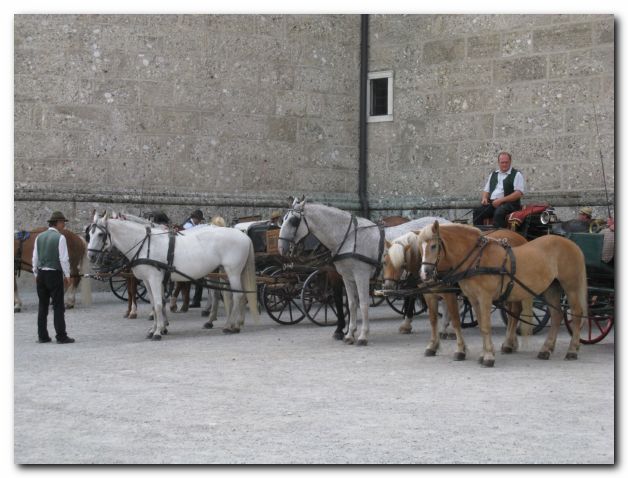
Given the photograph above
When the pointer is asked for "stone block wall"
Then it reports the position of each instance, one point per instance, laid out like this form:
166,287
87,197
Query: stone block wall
229,113
469,86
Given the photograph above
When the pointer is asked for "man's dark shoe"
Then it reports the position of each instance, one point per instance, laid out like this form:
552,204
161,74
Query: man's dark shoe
195,305
65,340
44,341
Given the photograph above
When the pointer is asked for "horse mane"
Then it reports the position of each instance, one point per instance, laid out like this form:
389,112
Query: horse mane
396,254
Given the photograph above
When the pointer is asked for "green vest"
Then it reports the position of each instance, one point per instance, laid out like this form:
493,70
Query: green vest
48,250
509,183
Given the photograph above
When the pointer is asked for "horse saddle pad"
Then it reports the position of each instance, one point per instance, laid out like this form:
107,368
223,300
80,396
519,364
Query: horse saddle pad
519,216
22,235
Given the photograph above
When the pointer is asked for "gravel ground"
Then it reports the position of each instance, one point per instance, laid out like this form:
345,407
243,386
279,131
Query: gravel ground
292,394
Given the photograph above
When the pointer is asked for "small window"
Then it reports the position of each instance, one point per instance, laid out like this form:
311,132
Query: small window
379,96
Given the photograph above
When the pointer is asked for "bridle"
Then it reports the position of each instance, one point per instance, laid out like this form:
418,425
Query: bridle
295,221
439,256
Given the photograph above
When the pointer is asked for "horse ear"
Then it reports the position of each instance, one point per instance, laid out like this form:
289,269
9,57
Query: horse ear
302,198
105,216
95,214
114,215
387,243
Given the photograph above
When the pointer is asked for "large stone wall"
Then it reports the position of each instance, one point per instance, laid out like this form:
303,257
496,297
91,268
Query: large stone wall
469,86
231,113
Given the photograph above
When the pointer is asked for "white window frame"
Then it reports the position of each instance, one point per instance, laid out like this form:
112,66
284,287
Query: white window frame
377,75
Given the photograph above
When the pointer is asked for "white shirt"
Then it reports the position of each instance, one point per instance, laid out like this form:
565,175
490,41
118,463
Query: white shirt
498,192
189,225
64,258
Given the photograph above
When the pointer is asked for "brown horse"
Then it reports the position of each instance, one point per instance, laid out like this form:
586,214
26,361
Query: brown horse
403,254
540,267
23,244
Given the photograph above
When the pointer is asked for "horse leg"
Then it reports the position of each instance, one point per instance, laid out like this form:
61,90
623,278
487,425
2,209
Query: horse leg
362,284
159,324
578,304
174,296
17,302
340,309
233,323
552,297
132,291
408,309
70,293
514,312
211,309
482,309
432,307
185,293
352,295
452,309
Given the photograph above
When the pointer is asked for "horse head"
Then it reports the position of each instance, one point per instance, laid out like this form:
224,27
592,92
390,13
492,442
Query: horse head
294,227
430,246
98,237
393,263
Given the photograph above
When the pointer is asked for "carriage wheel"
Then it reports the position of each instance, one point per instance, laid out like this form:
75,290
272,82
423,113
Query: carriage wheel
396,304
119,288
539,319
282,300
600,320
467,318
375,300
317,297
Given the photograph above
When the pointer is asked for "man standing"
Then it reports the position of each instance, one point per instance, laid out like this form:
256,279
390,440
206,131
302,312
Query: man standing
51,267
502,193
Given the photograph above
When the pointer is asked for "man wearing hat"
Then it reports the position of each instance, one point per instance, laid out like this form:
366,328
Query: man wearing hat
275,218
51,268
195,219
585,214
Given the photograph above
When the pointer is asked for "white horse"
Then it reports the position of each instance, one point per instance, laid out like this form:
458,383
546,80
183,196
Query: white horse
356,245
197,252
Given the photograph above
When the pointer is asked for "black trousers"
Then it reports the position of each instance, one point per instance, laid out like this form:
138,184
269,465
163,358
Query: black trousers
50,285
498,214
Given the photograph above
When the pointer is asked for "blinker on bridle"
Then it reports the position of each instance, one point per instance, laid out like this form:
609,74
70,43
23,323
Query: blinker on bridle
295,221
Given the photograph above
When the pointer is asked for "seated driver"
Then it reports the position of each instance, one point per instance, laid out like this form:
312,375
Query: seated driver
502,193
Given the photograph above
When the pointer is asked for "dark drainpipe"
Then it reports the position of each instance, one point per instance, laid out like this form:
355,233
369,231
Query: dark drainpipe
362,172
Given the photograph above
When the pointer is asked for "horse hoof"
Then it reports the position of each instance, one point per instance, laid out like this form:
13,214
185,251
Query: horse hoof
132,316
459,356
149,335
571,356
488,363
362,342
507,349
208,325
69,306
451,336
183,309
228,331
543,355
338,335
164,332
405,331
156,338
173,309
430,353
204,313
348,340
17,310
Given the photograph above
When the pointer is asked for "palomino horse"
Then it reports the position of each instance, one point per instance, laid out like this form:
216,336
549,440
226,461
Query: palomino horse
198,251
487,272
403,254
23,244
356,245
392,234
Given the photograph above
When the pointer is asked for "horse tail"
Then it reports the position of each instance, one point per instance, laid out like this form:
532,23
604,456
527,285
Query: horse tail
86,284
249,282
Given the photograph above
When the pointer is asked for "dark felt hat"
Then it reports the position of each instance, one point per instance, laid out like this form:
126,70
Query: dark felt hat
57,216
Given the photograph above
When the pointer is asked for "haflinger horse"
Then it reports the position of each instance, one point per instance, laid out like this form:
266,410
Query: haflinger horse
404,255
356,245
192,255
23,244
487,271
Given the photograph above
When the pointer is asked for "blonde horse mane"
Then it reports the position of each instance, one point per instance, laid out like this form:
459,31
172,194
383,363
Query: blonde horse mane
404,250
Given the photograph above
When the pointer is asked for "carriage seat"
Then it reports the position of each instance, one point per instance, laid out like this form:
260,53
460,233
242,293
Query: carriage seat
516,218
